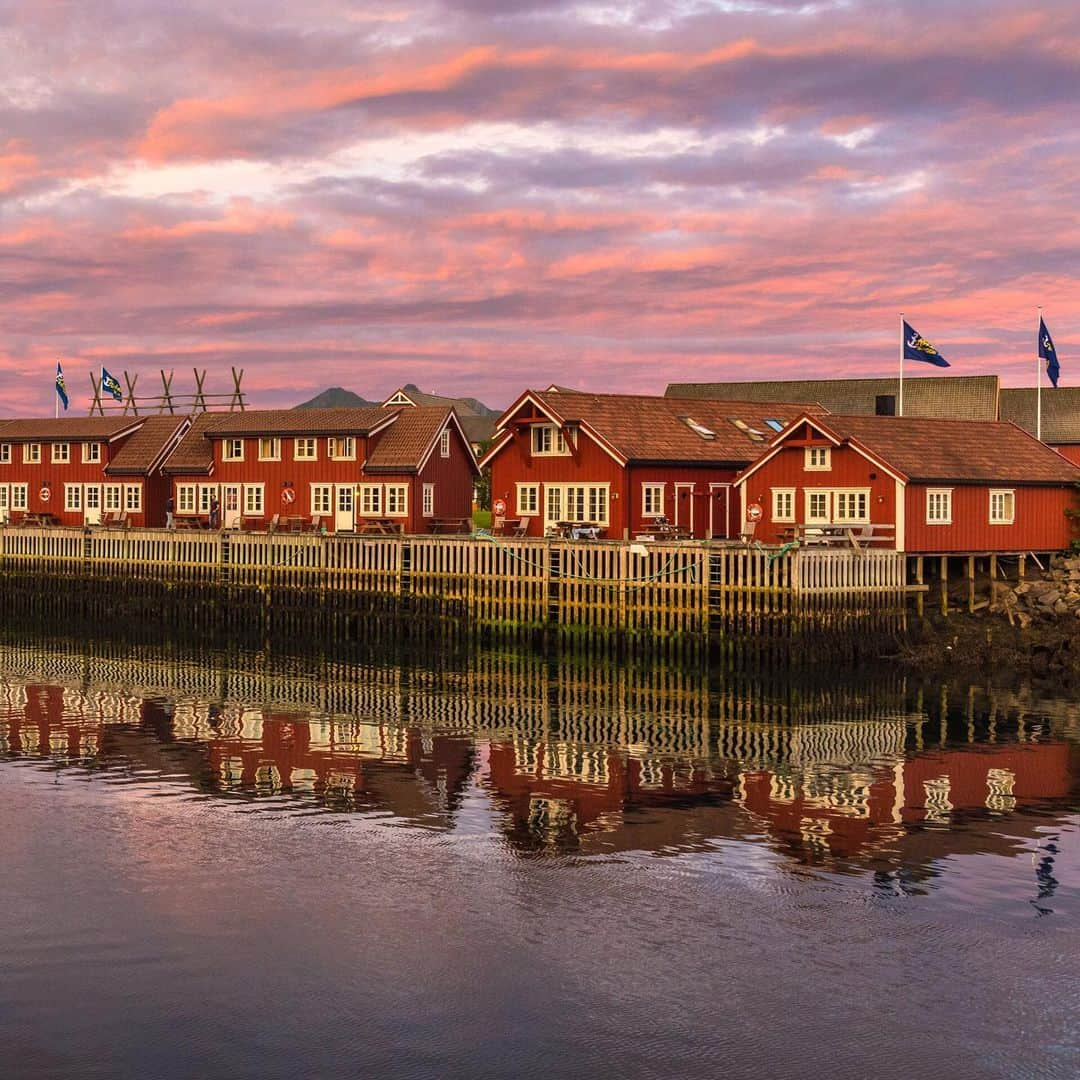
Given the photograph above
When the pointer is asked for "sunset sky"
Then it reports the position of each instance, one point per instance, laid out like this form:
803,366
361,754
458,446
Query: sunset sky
483,195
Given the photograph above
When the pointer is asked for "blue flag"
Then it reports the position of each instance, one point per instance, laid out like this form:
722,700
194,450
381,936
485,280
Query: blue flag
916,347
111,385
1048,353
61,389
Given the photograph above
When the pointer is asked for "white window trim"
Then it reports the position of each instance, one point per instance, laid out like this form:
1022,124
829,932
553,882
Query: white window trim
190,490
115,503
811,519
1011,519
56,458
328,491
20,494
564,501
6,453
837,520
939,491
206,493
313,456
244,511
273,439
404,511
361,489
522,510
72,498
827,467
86,458
444,443
31,453
133,505
652,485
557,436
226,445
777,493
429,500
332,444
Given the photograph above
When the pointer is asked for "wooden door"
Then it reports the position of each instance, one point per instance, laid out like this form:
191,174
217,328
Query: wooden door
92,504
230,506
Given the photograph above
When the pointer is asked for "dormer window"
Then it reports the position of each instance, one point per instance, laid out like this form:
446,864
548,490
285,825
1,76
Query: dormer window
698,429
548,440
818,459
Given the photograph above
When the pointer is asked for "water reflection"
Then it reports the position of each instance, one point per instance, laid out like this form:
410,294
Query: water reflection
569,757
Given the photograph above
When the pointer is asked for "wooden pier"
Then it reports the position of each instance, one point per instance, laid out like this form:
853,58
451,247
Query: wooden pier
694,590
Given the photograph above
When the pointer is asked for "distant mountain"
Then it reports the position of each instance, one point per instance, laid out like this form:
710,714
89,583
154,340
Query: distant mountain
338,398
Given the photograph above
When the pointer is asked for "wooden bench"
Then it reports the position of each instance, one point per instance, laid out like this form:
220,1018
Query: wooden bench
451,525
379,527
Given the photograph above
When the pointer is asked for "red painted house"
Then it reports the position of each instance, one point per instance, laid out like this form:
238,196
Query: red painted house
334,466
944,485
622,462
80,470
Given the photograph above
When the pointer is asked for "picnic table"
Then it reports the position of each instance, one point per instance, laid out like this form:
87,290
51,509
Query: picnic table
40,519
577,530
190,521
839,535
380,527
451,525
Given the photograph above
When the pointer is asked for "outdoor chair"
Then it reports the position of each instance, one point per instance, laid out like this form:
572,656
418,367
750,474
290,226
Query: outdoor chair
521,527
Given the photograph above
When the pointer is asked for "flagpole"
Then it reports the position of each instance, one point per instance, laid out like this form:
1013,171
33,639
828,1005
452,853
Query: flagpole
56,399
1038,378
900,409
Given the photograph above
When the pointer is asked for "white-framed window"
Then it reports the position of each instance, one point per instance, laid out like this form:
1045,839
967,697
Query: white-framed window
371,500
31,453
133,498
19,496
253,500
429,500
114,498
91,453
306,449
270,449
652,500
73,497
341,448
444,443
232,450
5,453
397,500
548,441
1002,507
939,506
206,493
528,499
783,504
322,498
185,498
817,508
586,503
817,459
851,506
61,453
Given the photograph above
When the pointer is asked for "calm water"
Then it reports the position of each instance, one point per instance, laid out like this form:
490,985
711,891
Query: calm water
499,865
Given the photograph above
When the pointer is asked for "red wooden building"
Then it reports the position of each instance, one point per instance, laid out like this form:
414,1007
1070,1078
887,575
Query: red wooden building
943,485
334,468
623,462
83,470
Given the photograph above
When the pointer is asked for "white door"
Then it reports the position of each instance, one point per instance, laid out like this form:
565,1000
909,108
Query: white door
92,504
5,502
344,504
230,506
553,508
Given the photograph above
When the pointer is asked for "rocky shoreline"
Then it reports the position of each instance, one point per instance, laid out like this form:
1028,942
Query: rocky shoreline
1030,629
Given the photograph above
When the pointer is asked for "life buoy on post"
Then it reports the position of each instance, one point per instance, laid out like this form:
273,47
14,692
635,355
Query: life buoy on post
499,508
288,496
754,512
45,493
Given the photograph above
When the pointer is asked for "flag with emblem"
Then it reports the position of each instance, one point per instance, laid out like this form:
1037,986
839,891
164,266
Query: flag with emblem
916,347
1048,353
111,385
61,389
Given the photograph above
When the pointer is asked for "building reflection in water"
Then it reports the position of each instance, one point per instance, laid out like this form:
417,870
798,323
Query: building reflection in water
571,756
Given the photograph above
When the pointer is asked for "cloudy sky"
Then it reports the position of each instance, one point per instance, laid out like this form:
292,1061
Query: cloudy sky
479,195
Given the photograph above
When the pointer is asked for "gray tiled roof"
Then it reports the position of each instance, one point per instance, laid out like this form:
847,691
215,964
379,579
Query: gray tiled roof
1060,411
956,397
